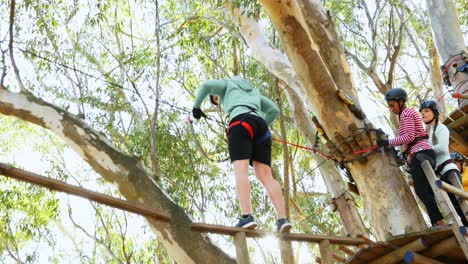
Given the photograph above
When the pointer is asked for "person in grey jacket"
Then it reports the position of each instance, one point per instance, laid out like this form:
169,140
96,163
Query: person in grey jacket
249,141
439,136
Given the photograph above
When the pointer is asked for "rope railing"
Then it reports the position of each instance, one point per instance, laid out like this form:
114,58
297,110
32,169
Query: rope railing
239,234
61,186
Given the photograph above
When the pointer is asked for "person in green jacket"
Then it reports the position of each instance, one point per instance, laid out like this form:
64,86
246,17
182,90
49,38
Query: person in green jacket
249,141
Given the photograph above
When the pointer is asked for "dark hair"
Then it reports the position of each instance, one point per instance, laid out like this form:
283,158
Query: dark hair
431,104
455,156
434,137
212,100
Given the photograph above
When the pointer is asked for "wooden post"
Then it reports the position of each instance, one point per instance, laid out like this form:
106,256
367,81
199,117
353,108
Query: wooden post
451,189
446,245
287,253
325,252
397,255
242,253
338,259
446,206
362,246
365,238
453,178
441,197
347,250
411,257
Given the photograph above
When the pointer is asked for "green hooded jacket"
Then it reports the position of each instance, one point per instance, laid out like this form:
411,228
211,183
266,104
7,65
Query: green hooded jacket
235,94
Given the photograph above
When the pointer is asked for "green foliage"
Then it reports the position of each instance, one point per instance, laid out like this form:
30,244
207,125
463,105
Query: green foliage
252,8
98,59
462,12
25,211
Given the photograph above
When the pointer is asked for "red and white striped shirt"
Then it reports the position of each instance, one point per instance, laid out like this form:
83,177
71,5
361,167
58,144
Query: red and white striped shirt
411,127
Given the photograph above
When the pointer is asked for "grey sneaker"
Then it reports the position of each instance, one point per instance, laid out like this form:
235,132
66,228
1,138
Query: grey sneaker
248,222
283,225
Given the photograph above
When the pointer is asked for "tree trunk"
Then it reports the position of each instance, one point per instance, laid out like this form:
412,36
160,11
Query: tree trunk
183,245
389,204
287,253
449,41
336,187
437,83
278,64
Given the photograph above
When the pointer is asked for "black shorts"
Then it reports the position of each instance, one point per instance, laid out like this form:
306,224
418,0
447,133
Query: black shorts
241,146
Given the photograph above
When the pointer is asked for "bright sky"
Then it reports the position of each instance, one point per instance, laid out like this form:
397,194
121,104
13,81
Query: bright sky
25,156
66,234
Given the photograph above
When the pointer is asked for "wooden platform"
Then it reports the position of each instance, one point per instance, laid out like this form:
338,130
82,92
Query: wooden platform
431,236
457,122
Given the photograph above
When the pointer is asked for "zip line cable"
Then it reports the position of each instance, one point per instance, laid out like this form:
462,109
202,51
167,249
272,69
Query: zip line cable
442,96
315,150
183,109
299,180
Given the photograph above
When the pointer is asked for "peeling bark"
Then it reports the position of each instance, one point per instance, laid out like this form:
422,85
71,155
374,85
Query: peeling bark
319,25
336,187
389,204
449,41
133,182
437,84
278,64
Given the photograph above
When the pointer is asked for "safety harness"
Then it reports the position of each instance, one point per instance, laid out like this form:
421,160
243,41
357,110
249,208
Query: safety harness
442,166
412,143
248,127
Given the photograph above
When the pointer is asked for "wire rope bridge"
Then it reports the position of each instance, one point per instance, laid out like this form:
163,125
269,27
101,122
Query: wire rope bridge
444,245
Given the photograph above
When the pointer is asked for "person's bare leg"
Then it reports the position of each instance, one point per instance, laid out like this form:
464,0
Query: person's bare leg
272,187
241,170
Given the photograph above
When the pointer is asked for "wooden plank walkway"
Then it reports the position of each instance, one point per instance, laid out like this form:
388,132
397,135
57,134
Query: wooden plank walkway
457,123
239,234
439,245
311,238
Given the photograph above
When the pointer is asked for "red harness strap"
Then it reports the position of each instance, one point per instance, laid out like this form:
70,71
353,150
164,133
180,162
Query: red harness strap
245,125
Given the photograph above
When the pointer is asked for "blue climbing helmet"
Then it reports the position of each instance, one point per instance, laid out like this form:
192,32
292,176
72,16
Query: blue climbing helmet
396,94
456,156
431,104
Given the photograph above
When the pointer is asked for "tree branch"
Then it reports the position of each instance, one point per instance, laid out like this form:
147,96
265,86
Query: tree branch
371,73
407,76
374,36
51,37
10,47
394,57
4,68
96,239
154,119
416,46
134,183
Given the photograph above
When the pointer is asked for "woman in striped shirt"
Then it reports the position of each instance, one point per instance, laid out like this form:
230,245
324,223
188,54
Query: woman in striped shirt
412,135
